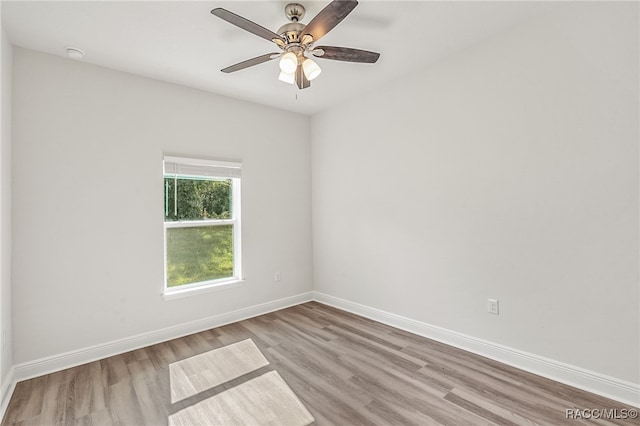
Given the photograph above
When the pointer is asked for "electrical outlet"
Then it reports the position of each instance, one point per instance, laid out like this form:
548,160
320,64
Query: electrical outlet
277,276
492,306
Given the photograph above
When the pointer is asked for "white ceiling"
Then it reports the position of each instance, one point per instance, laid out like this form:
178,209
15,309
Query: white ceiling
181,42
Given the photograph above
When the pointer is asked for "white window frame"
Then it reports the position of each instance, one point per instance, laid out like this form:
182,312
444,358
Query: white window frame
223,170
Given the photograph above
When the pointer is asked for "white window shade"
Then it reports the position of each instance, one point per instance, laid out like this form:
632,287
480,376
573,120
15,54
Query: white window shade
195,167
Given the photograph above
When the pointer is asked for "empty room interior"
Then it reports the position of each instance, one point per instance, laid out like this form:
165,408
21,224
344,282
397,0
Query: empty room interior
319,212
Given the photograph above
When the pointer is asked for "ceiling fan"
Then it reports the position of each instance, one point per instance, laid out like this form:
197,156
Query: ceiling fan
297,41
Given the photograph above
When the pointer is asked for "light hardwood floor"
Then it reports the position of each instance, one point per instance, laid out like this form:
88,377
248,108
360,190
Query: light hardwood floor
344,368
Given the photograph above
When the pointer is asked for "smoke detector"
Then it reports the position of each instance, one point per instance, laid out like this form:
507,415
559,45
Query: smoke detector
74,53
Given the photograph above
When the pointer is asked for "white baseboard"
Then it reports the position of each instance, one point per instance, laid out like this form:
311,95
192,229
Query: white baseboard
59,362
8,386
610,387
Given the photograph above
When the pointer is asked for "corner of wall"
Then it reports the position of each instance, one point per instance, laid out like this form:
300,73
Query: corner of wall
6,347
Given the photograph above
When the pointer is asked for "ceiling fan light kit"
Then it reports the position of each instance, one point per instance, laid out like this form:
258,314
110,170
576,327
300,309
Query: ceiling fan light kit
296,40
311,69
289,78
289,63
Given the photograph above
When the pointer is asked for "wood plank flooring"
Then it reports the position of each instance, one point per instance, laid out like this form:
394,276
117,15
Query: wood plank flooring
347,370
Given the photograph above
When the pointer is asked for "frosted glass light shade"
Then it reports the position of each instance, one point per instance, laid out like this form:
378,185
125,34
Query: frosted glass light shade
288,62
311,69
287,77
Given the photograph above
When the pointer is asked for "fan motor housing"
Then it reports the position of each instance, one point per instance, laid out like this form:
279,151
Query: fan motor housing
291,31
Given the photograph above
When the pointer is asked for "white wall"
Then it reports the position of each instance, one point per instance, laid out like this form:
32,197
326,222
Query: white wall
6,358
508,170
87,200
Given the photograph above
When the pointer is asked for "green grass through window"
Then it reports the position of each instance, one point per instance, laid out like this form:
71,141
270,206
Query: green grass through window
198,254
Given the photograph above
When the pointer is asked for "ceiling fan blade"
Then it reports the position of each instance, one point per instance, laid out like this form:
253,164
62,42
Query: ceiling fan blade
301,79
245,24
328,18
346,54
250,62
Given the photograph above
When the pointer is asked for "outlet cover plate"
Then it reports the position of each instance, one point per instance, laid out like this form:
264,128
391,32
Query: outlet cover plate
493,307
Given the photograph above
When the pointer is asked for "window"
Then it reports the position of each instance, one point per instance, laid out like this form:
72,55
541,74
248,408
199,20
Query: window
201,223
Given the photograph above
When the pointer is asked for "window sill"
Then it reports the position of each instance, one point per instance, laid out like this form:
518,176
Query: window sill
180,293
